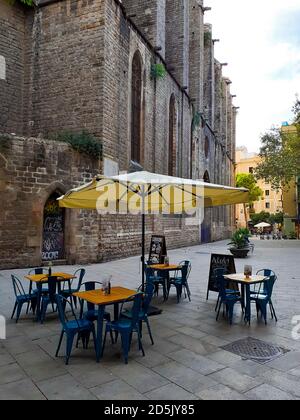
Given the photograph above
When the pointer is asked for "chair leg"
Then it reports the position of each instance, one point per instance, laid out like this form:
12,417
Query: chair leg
104,342
217,305
19,310
219,310
188,291
59,344
149,331
70,341
274,313
125,346
140,342
14,311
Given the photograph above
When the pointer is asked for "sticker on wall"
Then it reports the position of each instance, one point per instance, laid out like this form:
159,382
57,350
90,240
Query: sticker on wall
2,68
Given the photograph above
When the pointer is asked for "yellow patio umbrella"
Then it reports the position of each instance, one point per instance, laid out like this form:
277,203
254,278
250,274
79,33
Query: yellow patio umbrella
147,193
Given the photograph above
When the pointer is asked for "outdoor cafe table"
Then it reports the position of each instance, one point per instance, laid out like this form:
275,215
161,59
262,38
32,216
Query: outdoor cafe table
98,298
166,269
245,284
40,279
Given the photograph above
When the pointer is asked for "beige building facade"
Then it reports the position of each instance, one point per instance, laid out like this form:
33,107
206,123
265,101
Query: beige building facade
271,202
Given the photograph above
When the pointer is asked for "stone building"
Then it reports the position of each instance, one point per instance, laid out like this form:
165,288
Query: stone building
138,75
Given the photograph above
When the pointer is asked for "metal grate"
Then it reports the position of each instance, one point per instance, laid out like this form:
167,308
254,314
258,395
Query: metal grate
256,350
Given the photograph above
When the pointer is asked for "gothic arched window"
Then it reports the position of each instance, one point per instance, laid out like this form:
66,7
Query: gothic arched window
172,137
136,107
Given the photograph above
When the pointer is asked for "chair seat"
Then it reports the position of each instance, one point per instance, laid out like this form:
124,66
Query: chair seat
82,324
25,298
93,315
260,296
128,314
232,297
120,325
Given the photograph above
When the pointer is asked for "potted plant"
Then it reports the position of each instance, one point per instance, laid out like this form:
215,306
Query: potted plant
239,245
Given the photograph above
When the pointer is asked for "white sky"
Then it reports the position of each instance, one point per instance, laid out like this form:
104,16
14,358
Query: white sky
260,40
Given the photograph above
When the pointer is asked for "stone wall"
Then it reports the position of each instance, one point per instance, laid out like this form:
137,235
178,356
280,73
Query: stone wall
31,170
74,72
12,32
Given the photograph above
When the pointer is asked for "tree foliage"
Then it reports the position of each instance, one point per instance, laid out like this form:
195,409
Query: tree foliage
248,181
280,153
266,217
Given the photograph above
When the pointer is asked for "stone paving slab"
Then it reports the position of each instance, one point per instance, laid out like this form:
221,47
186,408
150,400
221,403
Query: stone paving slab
187,360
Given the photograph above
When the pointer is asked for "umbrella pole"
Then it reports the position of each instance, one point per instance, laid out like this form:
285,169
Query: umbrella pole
143,249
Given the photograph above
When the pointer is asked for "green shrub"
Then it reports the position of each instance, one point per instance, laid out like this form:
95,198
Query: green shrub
239,239
158,71
83,143
292,235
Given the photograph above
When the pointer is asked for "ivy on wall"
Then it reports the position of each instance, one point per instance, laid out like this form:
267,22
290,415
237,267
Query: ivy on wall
83,143
29,3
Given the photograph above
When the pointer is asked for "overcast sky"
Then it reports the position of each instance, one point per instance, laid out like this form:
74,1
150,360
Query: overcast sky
260,40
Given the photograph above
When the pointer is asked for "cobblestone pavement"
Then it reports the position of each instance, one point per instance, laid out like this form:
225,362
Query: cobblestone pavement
187,360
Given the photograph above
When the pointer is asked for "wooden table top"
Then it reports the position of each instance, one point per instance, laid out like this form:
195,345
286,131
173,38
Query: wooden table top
162,267
241,278
118,294
42,278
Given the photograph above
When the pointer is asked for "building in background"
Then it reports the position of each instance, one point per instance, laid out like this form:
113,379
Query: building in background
138,75
291,197
272,201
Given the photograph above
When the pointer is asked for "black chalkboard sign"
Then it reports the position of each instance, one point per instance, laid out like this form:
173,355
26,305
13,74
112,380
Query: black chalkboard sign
219,261
158,249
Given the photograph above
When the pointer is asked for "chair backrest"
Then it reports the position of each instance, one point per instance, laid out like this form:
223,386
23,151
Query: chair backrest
62,303
149,291
52,288
266,272
150,273
136,309
186,268
269,286
37,271
89,286
18,286
80,273
220,281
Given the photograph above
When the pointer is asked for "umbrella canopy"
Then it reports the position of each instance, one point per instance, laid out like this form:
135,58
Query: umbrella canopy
148,193
263,225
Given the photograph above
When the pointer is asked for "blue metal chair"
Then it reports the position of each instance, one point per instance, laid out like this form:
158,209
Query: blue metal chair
22,298
225,298
74,287
81,327
92,313
126,327
54,284
159,278
180,280
143,315
37,271
263,297
234,291
268,273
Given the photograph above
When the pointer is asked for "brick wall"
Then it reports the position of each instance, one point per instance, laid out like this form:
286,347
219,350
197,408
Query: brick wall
149,16
12,30
177,39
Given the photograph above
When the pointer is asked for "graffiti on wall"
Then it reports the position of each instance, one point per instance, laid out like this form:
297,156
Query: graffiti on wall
53,232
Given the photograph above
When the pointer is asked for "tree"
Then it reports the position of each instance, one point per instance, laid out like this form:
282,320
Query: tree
280,154
266,217
260,217
255,193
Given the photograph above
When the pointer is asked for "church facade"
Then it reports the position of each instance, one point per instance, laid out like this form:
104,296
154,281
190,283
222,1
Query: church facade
141,77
